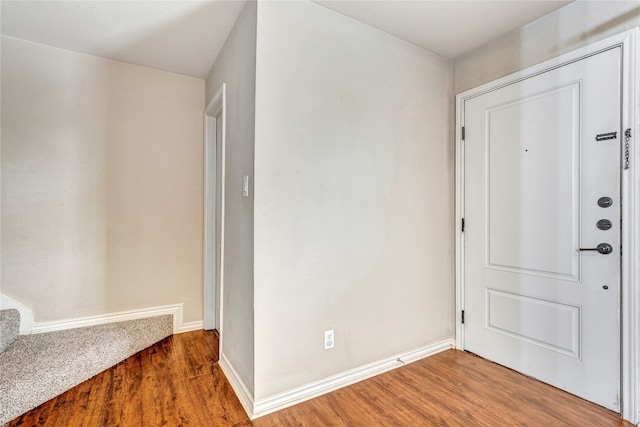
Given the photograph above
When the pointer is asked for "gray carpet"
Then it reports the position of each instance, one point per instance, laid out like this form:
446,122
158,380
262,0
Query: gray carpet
9,327
38,367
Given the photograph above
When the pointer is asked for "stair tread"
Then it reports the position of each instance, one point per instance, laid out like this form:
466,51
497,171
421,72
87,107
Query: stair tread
9,327
38,367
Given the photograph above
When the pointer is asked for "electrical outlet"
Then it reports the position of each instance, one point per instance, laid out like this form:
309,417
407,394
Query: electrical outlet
329,339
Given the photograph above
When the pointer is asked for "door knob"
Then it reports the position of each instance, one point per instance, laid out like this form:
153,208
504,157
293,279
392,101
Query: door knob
603,248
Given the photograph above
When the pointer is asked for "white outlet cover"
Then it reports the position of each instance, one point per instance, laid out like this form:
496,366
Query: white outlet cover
329,340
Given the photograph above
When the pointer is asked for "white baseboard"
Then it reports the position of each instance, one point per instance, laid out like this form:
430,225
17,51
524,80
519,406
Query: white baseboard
238,386
318,388
190,326
26,315
101,319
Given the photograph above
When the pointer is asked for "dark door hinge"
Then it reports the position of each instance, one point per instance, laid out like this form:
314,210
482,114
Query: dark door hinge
463,316
463,225
463,133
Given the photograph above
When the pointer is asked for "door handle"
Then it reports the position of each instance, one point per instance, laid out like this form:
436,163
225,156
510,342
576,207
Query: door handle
603,248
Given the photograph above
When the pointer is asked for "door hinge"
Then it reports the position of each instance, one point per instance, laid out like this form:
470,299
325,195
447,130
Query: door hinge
463,133
463,225
462,316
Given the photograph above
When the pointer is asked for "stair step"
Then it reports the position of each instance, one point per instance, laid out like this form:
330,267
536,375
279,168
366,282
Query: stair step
9,327
38,367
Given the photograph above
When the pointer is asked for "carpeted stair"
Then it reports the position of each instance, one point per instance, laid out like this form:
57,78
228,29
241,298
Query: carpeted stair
35,368
9,327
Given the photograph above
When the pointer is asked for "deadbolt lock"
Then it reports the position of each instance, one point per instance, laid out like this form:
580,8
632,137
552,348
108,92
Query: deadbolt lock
604,224
605,202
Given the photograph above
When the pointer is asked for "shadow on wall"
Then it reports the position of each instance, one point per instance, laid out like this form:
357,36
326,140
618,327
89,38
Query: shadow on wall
571,27
607,27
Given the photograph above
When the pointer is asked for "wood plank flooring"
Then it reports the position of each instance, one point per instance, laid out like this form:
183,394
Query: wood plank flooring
177,382
452,388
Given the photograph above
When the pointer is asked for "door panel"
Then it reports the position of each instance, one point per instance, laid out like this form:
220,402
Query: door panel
552,325
536,162
534,172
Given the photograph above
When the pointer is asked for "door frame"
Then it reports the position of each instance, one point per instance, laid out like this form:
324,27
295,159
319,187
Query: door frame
630,188
213,287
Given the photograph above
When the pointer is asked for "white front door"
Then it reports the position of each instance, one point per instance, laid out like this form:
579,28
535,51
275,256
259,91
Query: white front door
542,181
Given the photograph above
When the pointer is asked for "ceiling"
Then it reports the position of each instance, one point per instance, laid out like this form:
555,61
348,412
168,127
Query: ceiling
448,28
185,37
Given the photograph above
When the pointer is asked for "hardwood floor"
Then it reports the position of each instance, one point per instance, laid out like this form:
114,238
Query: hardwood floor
452,388
178,382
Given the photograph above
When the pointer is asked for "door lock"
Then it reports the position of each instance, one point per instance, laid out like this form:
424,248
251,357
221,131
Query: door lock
605,202
604,224
602,248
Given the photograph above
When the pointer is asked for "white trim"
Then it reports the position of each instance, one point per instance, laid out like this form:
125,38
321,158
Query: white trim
215,109
327,385
238,386
80,322
190,326
630,309
26,314
630,305
459,235
208,246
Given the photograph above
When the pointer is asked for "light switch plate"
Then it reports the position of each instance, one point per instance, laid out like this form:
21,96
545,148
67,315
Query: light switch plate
245,186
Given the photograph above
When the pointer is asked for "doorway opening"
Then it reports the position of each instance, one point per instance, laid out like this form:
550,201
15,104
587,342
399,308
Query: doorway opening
213,242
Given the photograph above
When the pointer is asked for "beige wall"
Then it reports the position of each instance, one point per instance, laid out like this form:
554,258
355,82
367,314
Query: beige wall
236,66
353,206
571,27
101,184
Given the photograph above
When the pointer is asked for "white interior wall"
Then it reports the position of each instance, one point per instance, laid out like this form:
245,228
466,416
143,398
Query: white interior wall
101,184
236,66
573,26
353,200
